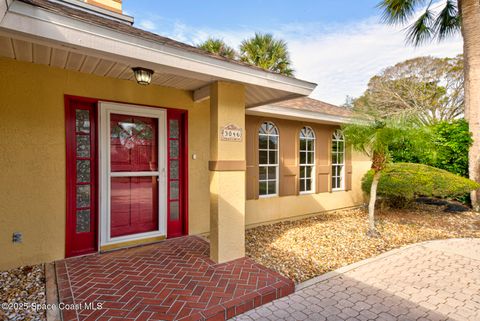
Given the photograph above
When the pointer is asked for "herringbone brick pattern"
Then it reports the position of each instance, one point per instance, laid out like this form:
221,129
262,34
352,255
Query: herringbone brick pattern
171,280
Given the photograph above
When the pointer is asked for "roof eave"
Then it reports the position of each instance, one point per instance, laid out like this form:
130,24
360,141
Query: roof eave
299,115
49,27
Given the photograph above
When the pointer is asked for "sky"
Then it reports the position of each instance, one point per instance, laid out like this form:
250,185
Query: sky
338,44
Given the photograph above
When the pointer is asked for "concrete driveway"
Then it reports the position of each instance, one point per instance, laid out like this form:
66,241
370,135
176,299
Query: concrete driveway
437,280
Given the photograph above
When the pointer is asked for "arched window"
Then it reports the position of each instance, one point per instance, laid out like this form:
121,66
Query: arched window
338,160
268,159
307,160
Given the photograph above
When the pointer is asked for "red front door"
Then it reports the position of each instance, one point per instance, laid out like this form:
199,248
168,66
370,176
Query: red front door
142,176
81,156
134,175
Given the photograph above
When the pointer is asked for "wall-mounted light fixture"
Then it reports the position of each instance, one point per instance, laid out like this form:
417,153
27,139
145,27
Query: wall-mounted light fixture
143,75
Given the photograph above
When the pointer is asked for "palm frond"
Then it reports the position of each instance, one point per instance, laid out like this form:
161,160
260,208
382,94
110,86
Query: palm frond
398,11
448,21
427,26
266,52
218,47
422,30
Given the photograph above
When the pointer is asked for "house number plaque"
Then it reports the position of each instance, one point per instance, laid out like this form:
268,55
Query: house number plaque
231,133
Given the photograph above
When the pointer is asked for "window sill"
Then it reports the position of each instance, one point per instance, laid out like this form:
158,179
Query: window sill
338,190
307,193
267,196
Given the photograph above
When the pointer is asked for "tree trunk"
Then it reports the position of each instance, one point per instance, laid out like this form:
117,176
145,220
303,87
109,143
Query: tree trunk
470,11
371,205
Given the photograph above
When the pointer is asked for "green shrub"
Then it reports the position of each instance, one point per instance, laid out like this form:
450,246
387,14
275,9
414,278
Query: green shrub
403,182
450,141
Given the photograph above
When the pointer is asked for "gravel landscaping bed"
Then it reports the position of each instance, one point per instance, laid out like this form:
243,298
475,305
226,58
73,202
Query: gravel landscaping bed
310,247
20,286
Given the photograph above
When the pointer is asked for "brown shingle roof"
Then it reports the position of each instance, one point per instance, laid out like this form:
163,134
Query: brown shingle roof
309,104
127,29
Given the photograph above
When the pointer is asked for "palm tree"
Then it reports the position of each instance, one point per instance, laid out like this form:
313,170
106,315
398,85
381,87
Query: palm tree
218,47
455,16
266,52
372,136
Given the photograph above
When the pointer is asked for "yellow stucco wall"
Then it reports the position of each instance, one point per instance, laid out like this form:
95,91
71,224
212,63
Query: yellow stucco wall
32,153
273,209
32,159
227,188
199,176
113,5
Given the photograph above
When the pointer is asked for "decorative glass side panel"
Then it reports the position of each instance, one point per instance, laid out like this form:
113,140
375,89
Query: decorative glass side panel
83,146
83,171
174,128
174,149
173,169
82,121
83,221
176,159
174,190
174,211
83,196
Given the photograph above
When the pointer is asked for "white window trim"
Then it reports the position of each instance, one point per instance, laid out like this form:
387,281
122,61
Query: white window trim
342,173
312,177
107,108
277,166
276,184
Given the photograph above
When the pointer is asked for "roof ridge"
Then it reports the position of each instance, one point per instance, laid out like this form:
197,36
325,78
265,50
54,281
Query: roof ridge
314,105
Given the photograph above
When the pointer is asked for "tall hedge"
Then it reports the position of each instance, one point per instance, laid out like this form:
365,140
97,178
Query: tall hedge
450,141
406,181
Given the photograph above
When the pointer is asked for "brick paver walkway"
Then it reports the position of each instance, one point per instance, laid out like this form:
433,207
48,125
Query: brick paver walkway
438,280
170,280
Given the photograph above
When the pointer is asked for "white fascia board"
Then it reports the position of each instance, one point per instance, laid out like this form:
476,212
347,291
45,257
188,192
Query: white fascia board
41,24
4,8
298,115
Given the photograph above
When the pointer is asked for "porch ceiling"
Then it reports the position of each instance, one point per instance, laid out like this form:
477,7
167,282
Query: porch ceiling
37,35
29,51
